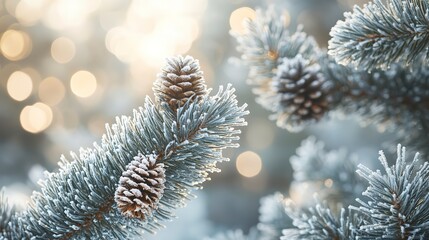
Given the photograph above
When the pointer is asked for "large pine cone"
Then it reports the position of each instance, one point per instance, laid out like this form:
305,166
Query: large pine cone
180,79
300,89
141,186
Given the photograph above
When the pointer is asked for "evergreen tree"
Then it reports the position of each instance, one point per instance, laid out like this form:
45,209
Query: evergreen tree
145,167
376,67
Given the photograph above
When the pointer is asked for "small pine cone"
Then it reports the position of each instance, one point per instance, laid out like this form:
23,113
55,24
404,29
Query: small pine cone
300,89
141,186
180,79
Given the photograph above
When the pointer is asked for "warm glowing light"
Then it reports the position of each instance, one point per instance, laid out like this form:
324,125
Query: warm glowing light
249,164
19,85
63,14
150,8
36,118
154,50
286,18
122,42
328,183
15,45
63,50
51,91
28,12
83,84
155,29
237,18
179,31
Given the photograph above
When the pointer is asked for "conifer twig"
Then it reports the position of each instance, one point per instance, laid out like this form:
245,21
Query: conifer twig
381,33
151,160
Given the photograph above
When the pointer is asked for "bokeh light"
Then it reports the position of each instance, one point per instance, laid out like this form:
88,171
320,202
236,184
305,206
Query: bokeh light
69,14
15,45
29,12
36,118
238,16
328,183
83,84
286,17
19,86
51,91
63,50
154,30
249,164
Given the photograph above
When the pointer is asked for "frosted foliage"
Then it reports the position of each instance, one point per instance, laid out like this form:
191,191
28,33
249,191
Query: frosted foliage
381,33
319,223
77,201
236,235
395,205
396,201
313,163
267,44
396,99
272,217
6,212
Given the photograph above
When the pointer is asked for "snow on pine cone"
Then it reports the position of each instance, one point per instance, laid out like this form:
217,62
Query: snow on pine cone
180,79
141,186
299,87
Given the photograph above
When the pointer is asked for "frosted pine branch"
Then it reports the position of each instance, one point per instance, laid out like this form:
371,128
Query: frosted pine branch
236,235
77,201
381,33
320,223
395,206
272,217
396,99
331,171
267,44
6,212
397,200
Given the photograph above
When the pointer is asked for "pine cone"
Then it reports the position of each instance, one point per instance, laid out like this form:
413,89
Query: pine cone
141,186
180,79
300,88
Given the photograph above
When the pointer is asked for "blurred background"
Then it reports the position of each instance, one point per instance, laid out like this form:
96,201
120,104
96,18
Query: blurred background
67,67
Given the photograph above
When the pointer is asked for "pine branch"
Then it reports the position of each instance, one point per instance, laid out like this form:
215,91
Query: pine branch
268,48
332,171
236,235
272,217
382,33
267,41
319,223
396,99
78,201
6,212
10,226
397,201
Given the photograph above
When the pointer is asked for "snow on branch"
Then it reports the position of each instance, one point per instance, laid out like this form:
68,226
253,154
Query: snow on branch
145,167
395,206
396,200
381,33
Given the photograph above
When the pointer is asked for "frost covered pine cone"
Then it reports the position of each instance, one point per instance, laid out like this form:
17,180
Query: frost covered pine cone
180,79
141,186
299,87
